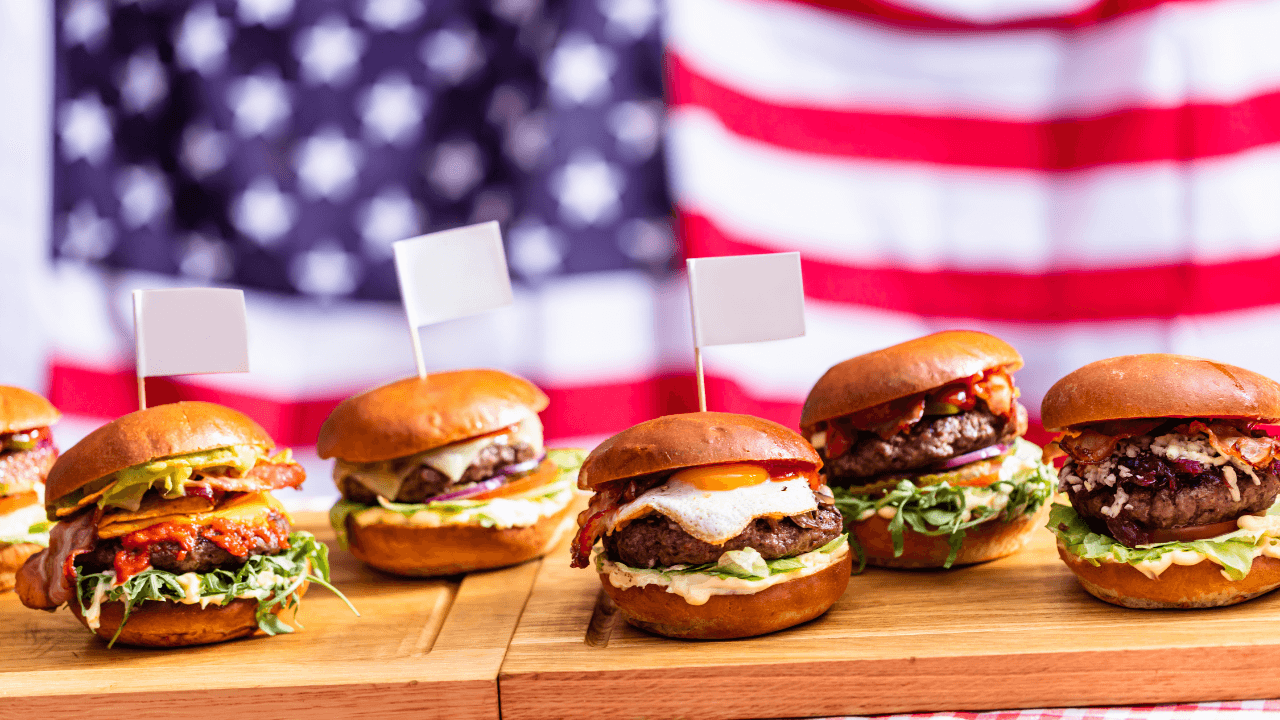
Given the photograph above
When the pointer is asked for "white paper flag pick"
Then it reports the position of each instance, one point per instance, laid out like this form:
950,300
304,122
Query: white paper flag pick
450,274
744,299
186,331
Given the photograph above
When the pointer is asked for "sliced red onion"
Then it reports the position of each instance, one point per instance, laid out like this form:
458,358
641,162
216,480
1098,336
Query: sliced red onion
976,455
500,478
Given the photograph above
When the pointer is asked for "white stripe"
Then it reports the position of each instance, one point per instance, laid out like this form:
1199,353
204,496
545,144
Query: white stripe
1211,52
927,217
620,327
786,370
588,329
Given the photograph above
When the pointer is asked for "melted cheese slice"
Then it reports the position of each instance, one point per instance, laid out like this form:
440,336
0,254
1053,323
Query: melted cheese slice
240,508
715,516
386,477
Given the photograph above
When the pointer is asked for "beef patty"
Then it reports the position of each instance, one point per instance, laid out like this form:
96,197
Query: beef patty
1164,495
655,541
426,482
204,557
933,439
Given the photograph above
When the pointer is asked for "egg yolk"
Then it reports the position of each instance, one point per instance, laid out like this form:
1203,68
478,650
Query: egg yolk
722,477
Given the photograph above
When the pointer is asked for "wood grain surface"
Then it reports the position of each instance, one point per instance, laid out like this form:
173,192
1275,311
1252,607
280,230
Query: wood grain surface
1013,633
421,648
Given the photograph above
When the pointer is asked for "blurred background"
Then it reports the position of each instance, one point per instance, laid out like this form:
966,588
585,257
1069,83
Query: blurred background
1082,178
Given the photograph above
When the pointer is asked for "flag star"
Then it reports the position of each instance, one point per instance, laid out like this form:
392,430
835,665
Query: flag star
144,195
327,270
205,258
637,125
494,203
536,250
588,189
271,13
453,54
392,110
263,212
527,140
391,14
204,151
389,216
516,11
629,18
579,70
507,105
86,22
259,102
456,168
329,51
85,129
648,241
88,235
327,164
203,39
144,82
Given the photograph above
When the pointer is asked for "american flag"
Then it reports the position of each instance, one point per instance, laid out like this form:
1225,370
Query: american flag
1082,179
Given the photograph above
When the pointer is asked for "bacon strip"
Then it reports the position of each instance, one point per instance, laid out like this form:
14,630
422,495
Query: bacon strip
42,582
1232,442
263,476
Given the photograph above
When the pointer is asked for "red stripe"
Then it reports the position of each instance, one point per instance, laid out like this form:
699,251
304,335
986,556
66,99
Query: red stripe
1146,292
574,411
1136,135
892,13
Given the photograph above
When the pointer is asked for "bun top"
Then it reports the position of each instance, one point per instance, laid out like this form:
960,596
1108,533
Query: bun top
145,435
1158,385
904,369
673,442
23,410
413,415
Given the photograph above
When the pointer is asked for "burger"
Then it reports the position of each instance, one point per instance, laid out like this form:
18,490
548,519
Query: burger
1172,481
26,454
712,525
447,474
923,449
167,533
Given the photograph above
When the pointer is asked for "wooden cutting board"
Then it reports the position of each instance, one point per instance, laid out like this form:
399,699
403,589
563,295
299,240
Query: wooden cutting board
421,648
1013,633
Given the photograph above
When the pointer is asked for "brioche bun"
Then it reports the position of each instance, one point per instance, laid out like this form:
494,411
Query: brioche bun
687,440
145,435
722,617
414,415
22,410
451,549
169,624
11,558
992,539
914,366
1158,385
1180,586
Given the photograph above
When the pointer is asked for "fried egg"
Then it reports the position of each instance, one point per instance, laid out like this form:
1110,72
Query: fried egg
716,516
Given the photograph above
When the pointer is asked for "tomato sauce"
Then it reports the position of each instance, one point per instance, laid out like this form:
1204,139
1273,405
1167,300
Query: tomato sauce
237,538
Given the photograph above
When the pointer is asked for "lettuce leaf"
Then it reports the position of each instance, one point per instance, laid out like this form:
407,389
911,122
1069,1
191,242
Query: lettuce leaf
125,488
1233,551
941,509
568,461
746,564
306,560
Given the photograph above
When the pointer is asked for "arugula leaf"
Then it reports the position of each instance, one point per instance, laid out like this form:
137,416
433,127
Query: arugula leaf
271,579
568,461
1233,551
1025,485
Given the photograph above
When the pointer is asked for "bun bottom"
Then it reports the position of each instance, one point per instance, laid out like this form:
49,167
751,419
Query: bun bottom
451,549
1180,586
723,617
987,541
168,624
11,558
